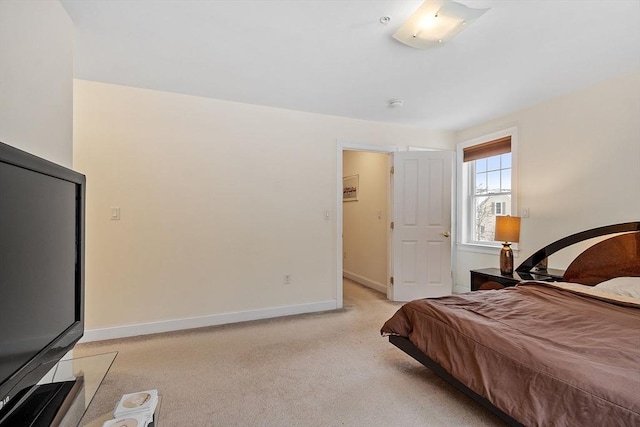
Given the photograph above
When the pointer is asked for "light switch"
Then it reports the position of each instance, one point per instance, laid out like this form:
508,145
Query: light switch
115,214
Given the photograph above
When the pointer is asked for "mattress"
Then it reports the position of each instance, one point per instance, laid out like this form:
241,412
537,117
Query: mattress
543,354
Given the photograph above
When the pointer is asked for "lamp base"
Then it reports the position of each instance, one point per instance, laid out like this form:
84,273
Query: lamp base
506,259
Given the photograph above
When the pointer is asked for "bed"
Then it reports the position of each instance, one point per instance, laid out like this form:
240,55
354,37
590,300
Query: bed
563,353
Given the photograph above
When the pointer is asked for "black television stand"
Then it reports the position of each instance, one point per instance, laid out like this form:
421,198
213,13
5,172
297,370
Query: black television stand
64,395
46,405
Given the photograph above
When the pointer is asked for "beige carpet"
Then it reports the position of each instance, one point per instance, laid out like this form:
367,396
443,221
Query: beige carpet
325,369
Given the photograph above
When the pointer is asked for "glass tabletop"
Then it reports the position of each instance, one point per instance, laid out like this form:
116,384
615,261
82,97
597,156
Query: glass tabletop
87,373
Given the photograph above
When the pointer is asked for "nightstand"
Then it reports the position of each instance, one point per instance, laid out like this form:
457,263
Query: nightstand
484,275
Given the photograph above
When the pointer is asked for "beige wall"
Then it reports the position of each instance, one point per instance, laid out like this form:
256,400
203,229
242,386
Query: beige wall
36,78
579,166
365,221
219,200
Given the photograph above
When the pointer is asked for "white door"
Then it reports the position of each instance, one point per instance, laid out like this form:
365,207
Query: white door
421,235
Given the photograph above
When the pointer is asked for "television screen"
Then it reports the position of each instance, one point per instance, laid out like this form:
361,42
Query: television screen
41,269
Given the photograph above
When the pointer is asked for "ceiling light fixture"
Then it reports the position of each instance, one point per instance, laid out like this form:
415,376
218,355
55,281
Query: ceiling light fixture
396,103
435,22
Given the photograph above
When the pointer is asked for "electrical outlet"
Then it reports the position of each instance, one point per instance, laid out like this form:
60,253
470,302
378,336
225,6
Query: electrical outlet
287,279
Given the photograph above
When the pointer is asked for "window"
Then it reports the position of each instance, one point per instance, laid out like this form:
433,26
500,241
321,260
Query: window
485,186
490,194
498,208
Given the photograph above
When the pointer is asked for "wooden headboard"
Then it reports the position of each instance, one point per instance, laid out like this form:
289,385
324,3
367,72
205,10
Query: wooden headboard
614,257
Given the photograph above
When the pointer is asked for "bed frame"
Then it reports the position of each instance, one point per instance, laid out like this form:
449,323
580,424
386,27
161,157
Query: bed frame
590,264
407,346
621,252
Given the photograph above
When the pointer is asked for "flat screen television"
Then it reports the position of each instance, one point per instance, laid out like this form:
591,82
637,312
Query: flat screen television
42,221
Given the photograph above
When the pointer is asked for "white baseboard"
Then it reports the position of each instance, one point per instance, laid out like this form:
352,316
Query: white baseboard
202,321
376,286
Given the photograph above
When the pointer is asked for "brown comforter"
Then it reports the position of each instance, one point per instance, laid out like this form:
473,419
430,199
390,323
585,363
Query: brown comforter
544,356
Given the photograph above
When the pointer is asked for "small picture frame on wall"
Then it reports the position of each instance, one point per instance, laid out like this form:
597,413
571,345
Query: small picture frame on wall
350,188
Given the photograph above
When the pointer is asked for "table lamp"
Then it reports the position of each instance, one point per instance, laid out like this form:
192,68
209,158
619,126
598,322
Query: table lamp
507,231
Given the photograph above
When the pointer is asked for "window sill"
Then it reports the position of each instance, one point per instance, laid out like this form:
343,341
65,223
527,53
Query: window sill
485,249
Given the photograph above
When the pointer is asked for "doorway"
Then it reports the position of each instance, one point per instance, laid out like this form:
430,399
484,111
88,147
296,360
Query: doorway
373,213
420,248
365,218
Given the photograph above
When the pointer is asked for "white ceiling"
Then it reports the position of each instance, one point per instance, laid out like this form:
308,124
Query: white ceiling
335,57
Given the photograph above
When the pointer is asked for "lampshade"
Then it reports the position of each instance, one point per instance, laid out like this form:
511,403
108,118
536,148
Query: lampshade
435,22
507,229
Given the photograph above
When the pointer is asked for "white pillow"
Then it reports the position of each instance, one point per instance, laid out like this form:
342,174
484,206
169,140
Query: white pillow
626,286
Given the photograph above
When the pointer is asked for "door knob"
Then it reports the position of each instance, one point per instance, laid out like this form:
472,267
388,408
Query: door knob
445,234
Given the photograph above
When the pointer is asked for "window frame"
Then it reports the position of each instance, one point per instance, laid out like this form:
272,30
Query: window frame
463,184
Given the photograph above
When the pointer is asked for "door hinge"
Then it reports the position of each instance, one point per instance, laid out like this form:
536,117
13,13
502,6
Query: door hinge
393,169
391,280
392,225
